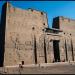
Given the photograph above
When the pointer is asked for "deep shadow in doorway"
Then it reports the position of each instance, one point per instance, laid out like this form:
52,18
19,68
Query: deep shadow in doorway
56,51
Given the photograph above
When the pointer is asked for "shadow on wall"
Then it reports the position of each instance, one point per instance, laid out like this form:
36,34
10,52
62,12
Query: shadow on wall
2,34
55,23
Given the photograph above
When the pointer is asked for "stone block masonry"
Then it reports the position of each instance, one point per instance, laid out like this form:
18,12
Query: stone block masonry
26,39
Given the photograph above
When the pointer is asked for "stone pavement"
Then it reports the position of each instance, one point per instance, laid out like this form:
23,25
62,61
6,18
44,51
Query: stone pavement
52,68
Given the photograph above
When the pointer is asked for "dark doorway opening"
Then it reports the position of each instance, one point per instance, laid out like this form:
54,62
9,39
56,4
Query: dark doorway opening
22,62
56,51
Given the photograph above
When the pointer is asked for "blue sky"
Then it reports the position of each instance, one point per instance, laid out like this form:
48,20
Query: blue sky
52,8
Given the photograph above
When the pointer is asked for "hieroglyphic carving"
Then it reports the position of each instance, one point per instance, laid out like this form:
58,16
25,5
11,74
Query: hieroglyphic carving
17,44
41,45
41,41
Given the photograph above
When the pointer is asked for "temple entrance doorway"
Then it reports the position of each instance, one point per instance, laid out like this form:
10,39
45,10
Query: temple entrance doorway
56,51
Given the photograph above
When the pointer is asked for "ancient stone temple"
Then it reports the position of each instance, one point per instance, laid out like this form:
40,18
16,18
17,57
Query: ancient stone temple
25,37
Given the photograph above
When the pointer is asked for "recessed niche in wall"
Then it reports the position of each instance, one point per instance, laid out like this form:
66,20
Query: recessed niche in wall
51,40
41,13
43,23
70,33
33,28
64,33
42,29
22,62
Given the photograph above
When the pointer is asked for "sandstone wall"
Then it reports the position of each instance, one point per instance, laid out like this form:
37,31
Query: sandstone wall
21,27
68,28
26,41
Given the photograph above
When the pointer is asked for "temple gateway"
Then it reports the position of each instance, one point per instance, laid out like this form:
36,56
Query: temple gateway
25,37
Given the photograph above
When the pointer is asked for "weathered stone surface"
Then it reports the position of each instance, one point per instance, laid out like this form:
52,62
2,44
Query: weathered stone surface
26,38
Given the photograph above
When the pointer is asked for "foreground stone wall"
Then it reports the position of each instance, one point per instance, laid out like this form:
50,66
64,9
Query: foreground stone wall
22,26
